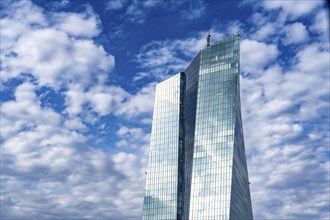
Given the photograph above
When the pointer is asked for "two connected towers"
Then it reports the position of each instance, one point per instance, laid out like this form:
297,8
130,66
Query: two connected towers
197,165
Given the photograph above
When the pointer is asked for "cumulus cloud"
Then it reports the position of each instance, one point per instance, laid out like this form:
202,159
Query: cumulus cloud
132,137
77,25
285,157
139,104
291,177
55,55
294,9
161,59
47,51
64,181
265,31
47,168
321,24
281,22
48,171
257,55
110,100
313,59
75,124
295,33
100,99
25,112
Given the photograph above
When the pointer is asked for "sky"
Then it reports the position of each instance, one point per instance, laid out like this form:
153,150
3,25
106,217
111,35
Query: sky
77,91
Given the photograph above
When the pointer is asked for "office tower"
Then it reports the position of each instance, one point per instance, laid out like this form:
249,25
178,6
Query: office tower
197,166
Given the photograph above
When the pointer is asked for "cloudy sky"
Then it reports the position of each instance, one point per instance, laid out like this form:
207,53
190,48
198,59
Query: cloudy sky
77,90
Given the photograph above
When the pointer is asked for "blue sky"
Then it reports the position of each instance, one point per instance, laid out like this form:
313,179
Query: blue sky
77,90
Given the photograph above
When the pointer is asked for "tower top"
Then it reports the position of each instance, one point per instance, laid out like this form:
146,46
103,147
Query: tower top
209,38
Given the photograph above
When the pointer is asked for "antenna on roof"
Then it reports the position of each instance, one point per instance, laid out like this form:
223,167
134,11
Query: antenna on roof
209,38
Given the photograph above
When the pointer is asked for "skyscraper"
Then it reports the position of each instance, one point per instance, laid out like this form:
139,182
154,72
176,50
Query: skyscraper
197,165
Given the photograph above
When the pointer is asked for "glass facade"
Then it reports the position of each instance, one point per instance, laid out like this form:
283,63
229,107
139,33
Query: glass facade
160,201
199,171
190,119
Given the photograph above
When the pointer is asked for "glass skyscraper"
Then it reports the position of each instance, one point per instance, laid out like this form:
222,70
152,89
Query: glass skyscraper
197,165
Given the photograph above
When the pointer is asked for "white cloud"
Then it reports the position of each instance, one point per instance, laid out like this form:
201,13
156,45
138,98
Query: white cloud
55,55
283,155
59,4
139,104
115,4
25,112
295,33
75,124
48,53
259,19
231,28
289,170
287,26
265,31
134,132
122,143
137,12
59,60
141,75
132,137
146,121
107,100
77,25
74,100
313,59
134,11
255,56
285,113
196,9
48,170
110,100
287,153
162,59
294,9
65,181
321,24
13,27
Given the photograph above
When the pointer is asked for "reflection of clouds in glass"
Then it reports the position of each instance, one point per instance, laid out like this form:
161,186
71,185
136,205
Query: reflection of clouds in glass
162,175
216,116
